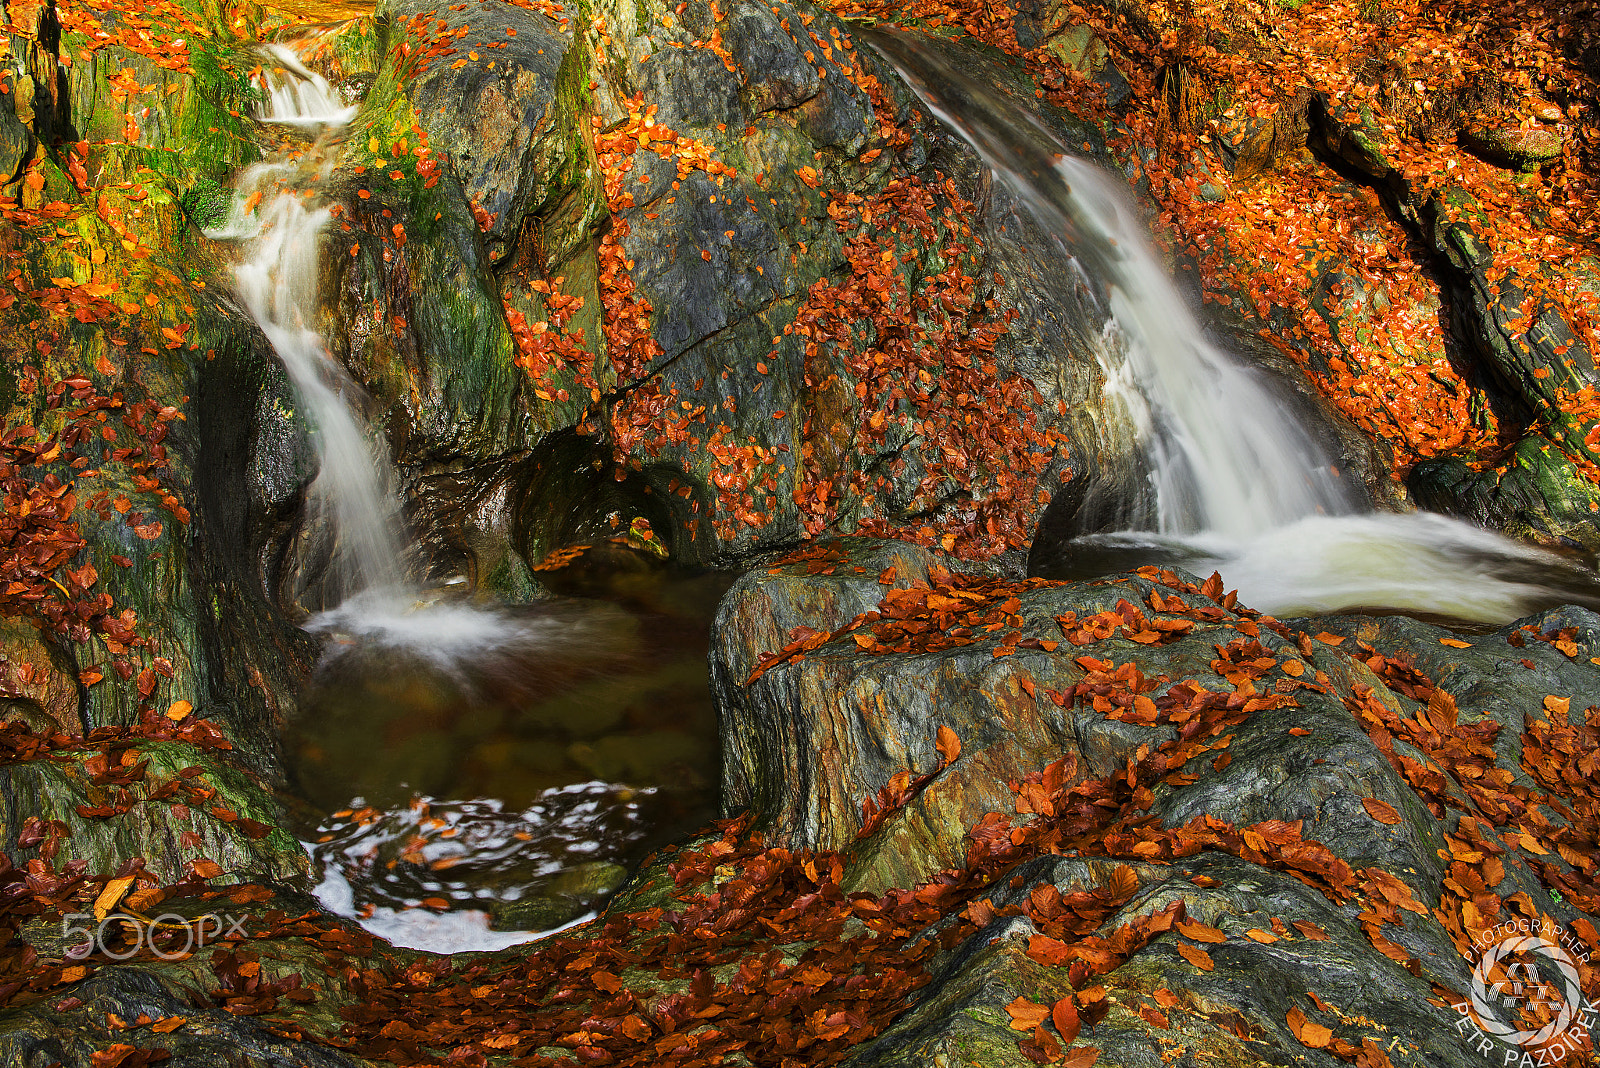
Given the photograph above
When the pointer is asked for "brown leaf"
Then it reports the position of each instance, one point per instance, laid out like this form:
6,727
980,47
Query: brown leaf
1201,932
1196,956
949,745
1309,1032
1380,811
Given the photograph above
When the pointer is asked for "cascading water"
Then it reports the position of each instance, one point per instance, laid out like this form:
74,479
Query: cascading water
503,732
1239,485
277,216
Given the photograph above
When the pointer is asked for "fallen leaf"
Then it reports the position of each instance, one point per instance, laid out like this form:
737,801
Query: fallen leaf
1026,1015
1309,1032
111,895
1201,932
1196,956
1064,1014
1379,811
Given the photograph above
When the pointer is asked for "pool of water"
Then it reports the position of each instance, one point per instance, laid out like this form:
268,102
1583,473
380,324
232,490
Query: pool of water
460,770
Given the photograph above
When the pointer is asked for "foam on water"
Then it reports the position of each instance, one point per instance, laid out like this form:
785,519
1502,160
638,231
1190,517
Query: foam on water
456,931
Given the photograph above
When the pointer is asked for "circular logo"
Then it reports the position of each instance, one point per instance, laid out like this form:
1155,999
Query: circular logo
1525,986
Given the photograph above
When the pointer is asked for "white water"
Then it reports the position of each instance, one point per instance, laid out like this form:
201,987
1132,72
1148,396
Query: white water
277,216
456,931
1239,485
1225,456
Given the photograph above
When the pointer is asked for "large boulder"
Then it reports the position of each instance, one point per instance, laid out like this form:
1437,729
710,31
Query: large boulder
1364,761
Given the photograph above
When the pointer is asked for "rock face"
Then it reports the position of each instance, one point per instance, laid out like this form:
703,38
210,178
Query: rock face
131,390
1274,730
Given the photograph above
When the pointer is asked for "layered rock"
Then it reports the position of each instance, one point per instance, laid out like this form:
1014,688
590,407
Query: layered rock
1096,675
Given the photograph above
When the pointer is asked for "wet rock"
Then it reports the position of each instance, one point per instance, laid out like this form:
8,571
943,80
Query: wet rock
37,680
512,129
807,742
169,835
813,737
560,900
1513,147
1234,1012
79,1023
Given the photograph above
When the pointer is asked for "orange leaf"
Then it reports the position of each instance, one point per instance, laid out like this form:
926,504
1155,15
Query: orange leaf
1196,956
949,745
1201,932
1309,1032
1065,1016
1455,643
1379,811
1025,1015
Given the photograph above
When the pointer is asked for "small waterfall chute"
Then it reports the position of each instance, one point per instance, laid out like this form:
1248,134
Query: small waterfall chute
1239,484
278,219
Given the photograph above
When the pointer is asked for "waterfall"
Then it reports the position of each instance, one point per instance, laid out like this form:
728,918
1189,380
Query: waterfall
278,219
1239,485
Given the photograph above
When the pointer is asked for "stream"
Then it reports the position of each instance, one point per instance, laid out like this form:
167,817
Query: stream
469,775
466,775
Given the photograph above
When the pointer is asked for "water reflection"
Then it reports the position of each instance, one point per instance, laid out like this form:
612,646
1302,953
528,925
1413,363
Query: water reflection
511,761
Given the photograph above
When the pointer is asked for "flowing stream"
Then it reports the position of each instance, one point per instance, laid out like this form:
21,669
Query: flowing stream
1238,483
468,776
278,216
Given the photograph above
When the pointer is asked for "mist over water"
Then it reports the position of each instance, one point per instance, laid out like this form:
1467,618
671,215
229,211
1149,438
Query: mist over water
1238,484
